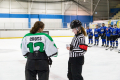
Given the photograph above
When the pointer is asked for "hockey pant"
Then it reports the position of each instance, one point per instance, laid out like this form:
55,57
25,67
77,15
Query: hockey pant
97,40
103,41
109,40
103,37
37,63
90,39
114,40
30,73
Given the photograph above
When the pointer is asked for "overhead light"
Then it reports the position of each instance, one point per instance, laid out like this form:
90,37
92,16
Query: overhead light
84,0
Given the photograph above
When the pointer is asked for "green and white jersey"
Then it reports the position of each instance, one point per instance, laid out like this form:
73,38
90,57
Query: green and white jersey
38,41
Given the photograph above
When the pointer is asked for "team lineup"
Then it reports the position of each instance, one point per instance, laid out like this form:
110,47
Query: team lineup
109,36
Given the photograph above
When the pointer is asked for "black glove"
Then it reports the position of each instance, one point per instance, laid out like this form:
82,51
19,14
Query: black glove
71,47
90,35
111,35
49,61
26,55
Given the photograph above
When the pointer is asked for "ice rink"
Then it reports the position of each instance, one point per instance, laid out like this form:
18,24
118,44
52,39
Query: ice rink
99,63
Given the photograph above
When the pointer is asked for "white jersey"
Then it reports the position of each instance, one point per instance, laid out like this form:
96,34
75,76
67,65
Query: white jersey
38,42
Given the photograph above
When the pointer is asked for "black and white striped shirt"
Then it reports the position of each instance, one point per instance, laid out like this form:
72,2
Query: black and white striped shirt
76,41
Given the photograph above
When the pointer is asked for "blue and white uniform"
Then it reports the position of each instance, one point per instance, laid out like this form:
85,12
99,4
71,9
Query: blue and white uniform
103,34
97,34
115,36
90,35
108,35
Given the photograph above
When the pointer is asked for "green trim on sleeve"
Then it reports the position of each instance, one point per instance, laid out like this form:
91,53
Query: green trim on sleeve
55,45
56,55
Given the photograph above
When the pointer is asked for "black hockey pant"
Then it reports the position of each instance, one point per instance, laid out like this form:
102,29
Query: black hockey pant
37,64
31,74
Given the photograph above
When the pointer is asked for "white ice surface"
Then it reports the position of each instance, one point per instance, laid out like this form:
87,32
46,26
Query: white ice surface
99,63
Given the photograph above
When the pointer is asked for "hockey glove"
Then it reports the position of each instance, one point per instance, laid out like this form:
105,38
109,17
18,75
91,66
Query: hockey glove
26,55
49,61
71,47
111,35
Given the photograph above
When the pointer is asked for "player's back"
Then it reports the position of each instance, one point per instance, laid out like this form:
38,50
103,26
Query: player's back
38,42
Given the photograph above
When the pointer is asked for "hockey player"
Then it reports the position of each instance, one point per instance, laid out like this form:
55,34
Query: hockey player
90,35
96,34
108,35
103,35
38,47
111,37
77,50
115,36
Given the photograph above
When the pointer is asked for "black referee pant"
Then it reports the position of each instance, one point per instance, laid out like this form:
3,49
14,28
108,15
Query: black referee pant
75,70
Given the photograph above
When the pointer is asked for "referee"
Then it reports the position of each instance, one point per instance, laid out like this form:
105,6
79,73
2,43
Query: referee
77,50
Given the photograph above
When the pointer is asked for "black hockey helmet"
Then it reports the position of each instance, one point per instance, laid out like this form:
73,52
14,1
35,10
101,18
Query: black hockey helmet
75,24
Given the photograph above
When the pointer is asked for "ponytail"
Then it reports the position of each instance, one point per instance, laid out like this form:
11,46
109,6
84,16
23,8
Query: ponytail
83,31
37,26
33,31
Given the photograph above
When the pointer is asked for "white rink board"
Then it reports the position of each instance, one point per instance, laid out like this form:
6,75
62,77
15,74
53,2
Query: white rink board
22,33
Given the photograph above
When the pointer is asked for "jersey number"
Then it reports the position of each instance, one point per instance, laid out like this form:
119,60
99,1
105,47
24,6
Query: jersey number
31,46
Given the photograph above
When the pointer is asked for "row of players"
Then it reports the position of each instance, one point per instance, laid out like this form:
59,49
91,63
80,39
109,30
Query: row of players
110,33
